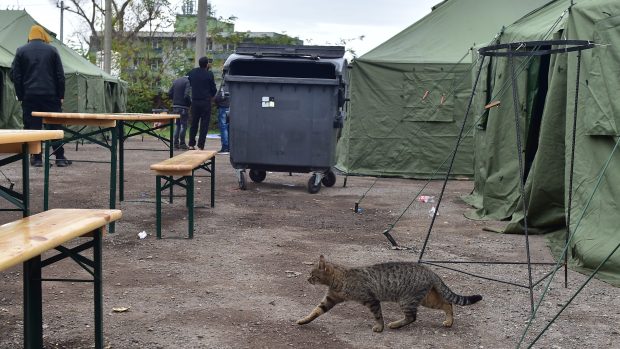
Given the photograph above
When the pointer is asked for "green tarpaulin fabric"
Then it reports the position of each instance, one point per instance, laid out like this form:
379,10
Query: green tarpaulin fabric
88,88
409,94
547,89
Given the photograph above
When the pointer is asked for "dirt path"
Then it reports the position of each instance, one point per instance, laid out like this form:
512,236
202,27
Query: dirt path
241,282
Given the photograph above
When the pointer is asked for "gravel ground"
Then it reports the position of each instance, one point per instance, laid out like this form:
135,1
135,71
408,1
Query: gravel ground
241,282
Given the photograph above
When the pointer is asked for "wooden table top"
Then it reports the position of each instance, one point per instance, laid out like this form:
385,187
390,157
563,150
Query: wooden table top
107,116
24,136
29,237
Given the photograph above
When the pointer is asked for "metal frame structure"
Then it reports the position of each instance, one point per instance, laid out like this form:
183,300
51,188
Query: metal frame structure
134,129
89,136
115,143
511,50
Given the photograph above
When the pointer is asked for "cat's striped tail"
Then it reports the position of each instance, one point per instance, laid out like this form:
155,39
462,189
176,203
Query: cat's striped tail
457,299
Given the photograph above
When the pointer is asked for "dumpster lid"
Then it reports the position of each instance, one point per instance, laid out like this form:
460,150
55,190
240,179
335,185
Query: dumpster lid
290,50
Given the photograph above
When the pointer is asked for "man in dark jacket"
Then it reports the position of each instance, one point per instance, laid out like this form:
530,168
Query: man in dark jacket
203,90
39,81
179,93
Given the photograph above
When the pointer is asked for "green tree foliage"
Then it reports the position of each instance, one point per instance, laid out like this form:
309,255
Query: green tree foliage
238,37
151,67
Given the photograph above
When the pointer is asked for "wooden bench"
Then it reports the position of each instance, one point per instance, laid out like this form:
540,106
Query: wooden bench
25,240
183,167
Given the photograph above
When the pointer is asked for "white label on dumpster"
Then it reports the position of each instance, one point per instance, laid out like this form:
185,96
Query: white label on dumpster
268,102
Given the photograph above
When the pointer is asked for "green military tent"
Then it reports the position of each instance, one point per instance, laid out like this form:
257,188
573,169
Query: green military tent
547,87
88,88
408,95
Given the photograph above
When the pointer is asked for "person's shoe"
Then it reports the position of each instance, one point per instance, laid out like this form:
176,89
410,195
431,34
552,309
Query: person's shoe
183,146
63,162
176,146
36,162
223,151
191,147
201,148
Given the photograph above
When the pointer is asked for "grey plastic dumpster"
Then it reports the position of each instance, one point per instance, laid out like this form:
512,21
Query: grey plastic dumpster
286,110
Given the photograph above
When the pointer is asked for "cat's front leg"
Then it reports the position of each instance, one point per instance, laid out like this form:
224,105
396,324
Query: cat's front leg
327,303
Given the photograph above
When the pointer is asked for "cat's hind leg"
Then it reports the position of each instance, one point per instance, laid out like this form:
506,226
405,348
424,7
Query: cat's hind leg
375,307
327,303
447,308
410,309
434,300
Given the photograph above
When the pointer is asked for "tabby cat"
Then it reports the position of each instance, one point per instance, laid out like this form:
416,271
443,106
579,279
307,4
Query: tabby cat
407,283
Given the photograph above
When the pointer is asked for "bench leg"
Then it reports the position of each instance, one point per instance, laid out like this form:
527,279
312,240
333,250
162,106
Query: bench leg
186,193
26,180
33,309
120,126
190,206
158,204
170,194
46,176
98,291
113,169
213,182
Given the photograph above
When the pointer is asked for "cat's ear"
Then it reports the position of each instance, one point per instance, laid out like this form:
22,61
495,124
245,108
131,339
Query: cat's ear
321,263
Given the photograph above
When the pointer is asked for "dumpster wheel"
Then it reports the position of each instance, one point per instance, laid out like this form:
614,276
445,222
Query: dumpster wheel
314,184
330,179
257,176
241,179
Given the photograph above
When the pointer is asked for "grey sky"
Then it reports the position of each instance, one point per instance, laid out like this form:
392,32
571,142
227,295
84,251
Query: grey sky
317,22
327,21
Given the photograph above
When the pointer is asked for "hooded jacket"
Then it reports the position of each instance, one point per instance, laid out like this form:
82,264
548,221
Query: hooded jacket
180,92
37,68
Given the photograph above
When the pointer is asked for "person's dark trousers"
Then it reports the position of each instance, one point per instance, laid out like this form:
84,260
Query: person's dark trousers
42,103
201,114
181,123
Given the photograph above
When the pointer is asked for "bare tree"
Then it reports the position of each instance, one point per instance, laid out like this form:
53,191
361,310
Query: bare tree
128,18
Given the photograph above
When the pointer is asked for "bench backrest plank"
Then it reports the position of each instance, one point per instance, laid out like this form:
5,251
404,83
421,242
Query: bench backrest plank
184,163
29,237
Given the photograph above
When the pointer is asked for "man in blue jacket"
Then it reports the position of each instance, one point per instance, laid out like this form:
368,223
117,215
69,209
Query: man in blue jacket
203,90
39,81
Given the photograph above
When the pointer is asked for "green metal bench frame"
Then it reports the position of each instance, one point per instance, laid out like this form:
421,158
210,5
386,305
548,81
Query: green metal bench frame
33,295
186,182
